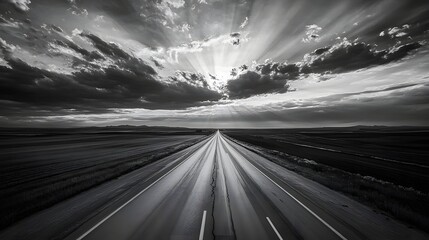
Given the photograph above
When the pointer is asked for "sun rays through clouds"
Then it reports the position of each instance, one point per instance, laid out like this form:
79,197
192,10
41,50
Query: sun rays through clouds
213,63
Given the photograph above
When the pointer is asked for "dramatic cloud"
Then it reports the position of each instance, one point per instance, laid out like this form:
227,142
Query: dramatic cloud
339,58
128,83
182,95
348,56
272,77
252,83
288,71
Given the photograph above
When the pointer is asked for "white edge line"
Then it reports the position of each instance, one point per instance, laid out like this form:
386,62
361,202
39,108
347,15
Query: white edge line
306,208
300,203
126,203
203,224
275,230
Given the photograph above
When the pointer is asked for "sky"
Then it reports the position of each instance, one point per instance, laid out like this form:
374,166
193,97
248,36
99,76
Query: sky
214,63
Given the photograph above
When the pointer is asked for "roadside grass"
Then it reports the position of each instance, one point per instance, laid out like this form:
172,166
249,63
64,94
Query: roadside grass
22,202
404,204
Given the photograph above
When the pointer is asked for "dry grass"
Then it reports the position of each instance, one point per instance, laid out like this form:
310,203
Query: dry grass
23,202
405,204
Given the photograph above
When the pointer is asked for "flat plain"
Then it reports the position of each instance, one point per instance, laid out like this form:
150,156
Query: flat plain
65,182
385,168
394,154
41,167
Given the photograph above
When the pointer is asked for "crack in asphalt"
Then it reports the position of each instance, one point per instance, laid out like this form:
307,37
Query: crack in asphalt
229,204
213,195
230,213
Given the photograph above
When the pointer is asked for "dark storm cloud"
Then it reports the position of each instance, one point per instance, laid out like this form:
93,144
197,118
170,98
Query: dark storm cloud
348,56
284,70
122,58
343,57
291,70
252,83
188,88
267,78
96,89
131,83
182,95
25,84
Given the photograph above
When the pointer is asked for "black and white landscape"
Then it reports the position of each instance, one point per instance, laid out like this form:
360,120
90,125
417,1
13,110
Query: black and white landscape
214,119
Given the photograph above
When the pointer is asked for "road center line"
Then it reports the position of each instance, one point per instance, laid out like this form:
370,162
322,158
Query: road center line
203,224
138,194
274,228
300,203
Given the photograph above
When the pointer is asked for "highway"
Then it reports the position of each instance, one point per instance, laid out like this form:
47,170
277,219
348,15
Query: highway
224,191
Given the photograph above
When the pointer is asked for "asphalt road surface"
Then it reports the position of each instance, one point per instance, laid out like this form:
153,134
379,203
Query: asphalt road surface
224,191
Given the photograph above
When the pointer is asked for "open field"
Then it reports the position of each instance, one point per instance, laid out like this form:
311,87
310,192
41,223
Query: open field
397,154
40,167
332,158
